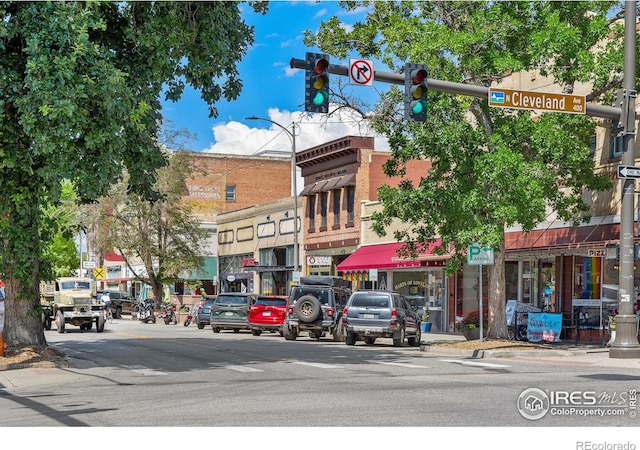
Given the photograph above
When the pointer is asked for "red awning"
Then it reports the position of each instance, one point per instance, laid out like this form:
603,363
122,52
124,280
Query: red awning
384,256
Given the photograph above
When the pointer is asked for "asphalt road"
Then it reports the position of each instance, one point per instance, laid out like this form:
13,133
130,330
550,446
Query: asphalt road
157,375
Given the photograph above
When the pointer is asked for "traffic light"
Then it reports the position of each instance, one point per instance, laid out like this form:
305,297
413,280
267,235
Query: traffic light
316,98
415,92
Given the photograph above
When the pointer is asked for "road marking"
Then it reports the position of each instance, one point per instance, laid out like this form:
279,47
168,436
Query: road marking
317,365
399,364
242,368
142,370
476,364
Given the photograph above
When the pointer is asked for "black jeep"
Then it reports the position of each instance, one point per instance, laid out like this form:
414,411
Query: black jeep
316,306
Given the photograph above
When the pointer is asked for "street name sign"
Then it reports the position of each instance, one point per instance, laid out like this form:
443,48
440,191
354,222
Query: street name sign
479,255
544,101
628,172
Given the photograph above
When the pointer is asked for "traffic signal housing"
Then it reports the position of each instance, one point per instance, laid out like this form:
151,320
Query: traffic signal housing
415,92
316,98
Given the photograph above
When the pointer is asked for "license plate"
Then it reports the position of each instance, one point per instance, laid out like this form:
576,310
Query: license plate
266,313
369,316
228,313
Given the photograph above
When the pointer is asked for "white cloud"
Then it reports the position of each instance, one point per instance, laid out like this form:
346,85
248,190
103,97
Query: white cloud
235,138
320,13
311,130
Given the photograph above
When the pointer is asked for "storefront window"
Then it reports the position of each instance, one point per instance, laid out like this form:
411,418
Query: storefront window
587,277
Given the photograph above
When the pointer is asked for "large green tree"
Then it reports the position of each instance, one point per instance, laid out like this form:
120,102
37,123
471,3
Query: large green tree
492,168
80,96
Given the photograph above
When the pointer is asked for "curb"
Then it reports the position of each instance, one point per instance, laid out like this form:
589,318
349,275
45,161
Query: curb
497,353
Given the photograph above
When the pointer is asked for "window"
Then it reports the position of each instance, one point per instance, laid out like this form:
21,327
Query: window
336,206
616,141
312,212
230,193
351,200
323,209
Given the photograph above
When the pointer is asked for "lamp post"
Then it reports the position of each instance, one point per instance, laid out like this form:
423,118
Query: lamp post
292,136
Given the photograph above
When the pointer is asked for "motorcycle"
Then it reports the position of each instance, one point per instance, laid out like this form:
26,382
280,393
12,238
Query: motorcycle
188,320
168,314
145,312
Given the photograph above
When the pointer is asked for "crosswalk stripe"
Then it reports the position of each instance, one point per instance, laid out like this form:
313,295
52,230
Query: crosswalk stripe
243,369
318,365
142,370
476,363
399,364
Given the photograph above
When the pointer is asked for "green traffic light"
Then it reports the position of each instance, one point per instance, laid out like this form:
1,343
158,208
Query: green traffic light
320,98
418,107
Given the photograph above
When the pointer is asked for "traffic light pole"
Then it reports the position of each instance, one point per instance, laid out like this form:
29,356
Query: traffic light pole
593,110
626,343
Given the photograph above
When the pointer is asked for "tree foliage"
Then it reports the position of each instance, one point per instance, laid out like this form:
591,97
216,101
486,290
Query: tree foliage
80,101
492,168
164,235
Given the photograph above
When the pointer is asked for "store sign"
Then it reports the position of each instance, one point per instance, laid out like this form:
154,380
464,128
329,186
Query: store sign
544,327
596,252
323,261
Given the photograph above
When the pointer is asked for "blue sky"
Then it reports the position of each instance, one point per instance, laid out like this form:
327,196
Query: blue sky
278,38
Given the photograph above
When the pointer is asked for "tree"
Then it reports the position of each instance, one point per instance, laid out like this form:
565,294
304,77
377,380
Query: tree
492,168
164,234
81,85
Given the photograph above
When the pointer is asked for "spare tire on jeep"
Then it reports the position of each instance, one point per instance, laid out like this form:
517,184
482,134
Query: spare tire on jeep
307,308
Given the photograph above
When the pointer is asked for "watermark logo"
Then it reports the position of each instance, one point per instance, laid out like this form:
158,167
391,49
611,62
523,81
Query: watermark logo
534,403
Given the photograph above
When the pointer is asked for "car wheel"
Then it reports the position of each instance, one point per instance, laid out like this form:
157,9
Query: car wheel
307,308
118,314
60,321
215,330
200,326
398,338
288,333
414,341
350,338
256,332
369,340
100,324
338,332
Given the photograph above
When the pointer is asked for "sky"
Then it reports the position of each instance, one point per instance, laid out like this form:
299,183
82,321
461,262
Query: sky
278,38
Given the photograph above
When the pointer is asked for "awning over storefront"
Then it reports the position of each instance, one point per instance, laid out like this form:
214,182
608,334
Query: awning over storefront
384,256
329,184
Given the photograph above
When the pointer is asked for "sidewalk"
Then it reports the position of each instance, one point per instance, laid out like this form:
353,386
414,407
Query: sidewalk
561,353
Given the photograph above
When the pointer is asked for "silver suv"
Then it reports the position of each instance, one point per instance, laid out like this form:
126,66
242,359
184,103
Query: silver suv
373,314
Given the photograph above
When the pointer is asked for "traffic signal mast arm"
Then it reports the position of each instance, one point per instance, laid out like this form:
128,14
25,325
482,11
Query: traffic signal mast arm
593,110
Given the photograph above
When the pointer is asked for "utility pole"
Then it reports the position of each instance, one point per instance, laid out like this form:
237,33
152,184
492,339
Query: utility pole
626,344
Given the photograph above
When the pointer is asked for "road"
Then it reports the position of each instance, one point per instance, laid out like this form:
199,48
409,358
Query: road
160,375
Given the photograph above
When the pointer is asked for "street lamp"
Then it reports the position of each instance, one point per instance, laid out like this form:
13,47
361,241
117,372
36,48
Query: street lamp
292,136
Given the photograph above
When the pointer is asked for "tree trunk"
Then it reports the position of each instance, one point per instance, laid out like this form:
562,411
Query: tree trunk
22,322
497,327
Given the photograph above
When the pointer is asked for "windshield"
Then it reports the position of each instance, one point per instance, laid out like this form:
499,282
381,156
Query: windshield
271,302
69,285
231,300
321,294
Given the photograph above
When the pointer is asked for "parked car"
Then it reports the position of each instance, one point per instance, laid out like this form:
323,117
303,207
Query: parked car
373,314
267,314
316,307
203,314
230,311
120,302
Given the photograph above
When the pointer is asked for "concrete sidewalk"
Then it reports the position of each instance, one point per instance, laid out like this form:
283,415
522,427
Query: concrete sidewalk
561,353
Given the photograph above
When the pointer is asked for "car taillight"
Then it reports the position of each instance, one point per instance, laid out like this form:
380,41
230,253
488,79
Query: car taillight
344,312
330,312
394,313
290,310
